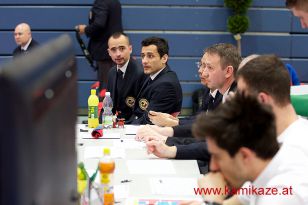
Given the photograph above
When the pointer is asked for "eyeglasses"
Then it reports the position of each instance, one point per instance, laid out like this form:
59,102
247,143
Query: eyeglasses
200,65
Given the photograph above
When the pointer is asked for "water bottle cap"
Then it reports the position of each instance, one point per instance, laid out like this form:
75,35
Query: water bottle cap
93,92
107,94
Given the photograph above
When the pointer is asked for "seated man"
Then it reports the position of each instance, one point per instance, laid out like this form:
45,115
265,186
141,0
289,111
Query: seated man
23,39
164,119
161,90
291,129
218,66
126,78
244,147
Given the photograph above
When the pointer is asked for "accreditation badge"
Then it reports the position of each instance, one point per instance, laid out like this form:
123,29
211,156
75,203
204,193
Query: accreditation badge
143,103
130,101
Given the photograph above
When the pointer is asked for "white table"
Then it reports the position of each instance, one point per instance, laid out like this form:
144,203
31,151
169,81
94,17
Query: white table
141,183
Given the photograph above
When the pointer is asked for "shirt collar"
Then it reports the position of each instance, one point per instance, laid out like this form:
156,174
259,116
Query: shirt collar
123,68
214,93
27,45
156,74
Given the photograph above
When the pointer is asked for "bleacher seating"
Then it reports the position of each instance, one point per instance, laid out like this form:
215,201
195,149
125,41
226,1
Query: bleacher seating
188,25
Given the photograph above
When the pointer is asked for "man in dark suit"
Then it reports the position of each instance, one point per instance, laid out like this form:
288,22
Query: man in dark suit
161,90
219,63
210,99
23,39
105,18
126,78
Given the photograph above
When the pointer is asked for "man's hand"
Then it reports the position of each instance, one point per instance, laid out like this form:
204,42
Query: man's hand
160,149
146,133
163,119
166,131
213,181
81,28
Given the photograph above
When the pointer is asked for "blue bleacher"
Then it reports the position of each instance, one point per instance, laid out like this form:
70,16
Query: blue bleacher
188,25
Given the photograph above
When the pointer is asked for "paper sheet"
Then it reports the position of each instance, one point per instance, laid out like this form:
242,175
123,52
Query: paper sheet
170,186
148,167
121,191
97,152
129,144
131,129
158,201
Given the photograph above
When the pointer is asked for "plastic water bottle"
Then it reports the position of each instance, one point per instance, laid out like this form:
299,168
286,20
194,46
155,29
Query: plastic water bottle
107,114
93,109
106,169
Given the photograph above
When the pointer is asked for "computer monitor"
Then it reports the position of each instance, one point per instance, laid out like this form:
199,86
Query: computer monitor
38,108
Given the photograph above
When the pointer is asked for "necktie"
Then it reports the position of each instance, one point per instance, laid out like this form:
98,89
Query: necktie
119,79
214,102
211,103
119,86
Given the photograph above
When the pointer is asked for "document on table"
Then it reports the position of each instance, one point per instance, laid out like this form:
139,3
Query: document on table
97,152
159,200
174,186
129,144
131,129
148,167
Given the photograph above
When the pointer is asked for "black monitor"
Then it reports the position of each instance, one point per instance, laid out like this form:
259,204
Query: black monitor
38,109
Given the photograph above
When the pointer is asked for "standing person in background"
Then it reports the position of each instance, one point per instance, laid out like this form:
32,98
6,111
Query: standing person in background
23,39
105,18
126,78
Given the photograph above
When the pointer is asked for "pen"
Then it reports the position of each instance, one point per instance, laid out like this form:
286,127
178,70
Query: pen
125,181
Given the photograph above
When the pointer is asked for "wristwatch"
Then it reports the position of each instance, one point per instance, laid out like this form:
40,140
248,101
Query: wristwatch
211,203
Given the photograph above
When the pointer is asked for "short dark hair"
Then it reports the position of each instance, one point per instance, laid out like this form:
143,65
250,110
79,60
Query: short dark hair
302,4
240,122
267,73
160,43
228,54
118,35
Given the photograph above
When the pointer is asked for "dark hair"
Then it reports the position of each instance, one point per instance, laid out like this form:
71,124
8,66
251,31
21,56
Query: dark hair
302,4
117,35
160,43
267,73
240,122
228,54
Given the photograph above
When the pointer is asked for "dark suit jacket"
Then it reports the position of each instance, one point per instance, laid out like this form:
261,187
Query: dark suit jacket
17,51
105,18
203,107
163,94
123,102
190,148
185,130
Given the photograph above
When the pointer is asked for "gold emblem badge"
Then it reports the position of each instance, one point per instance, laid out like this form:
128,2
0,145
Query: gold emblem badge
143,104
130,101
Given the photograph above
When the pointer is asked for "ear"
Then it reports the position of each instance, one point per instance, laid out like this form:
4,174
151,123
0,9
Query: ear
130,48
264,98
109,52
229,71
246,155
164,58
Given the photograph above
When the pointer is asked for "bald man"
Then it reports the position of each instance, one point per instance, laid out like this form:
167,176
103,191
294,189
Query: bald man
23,39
